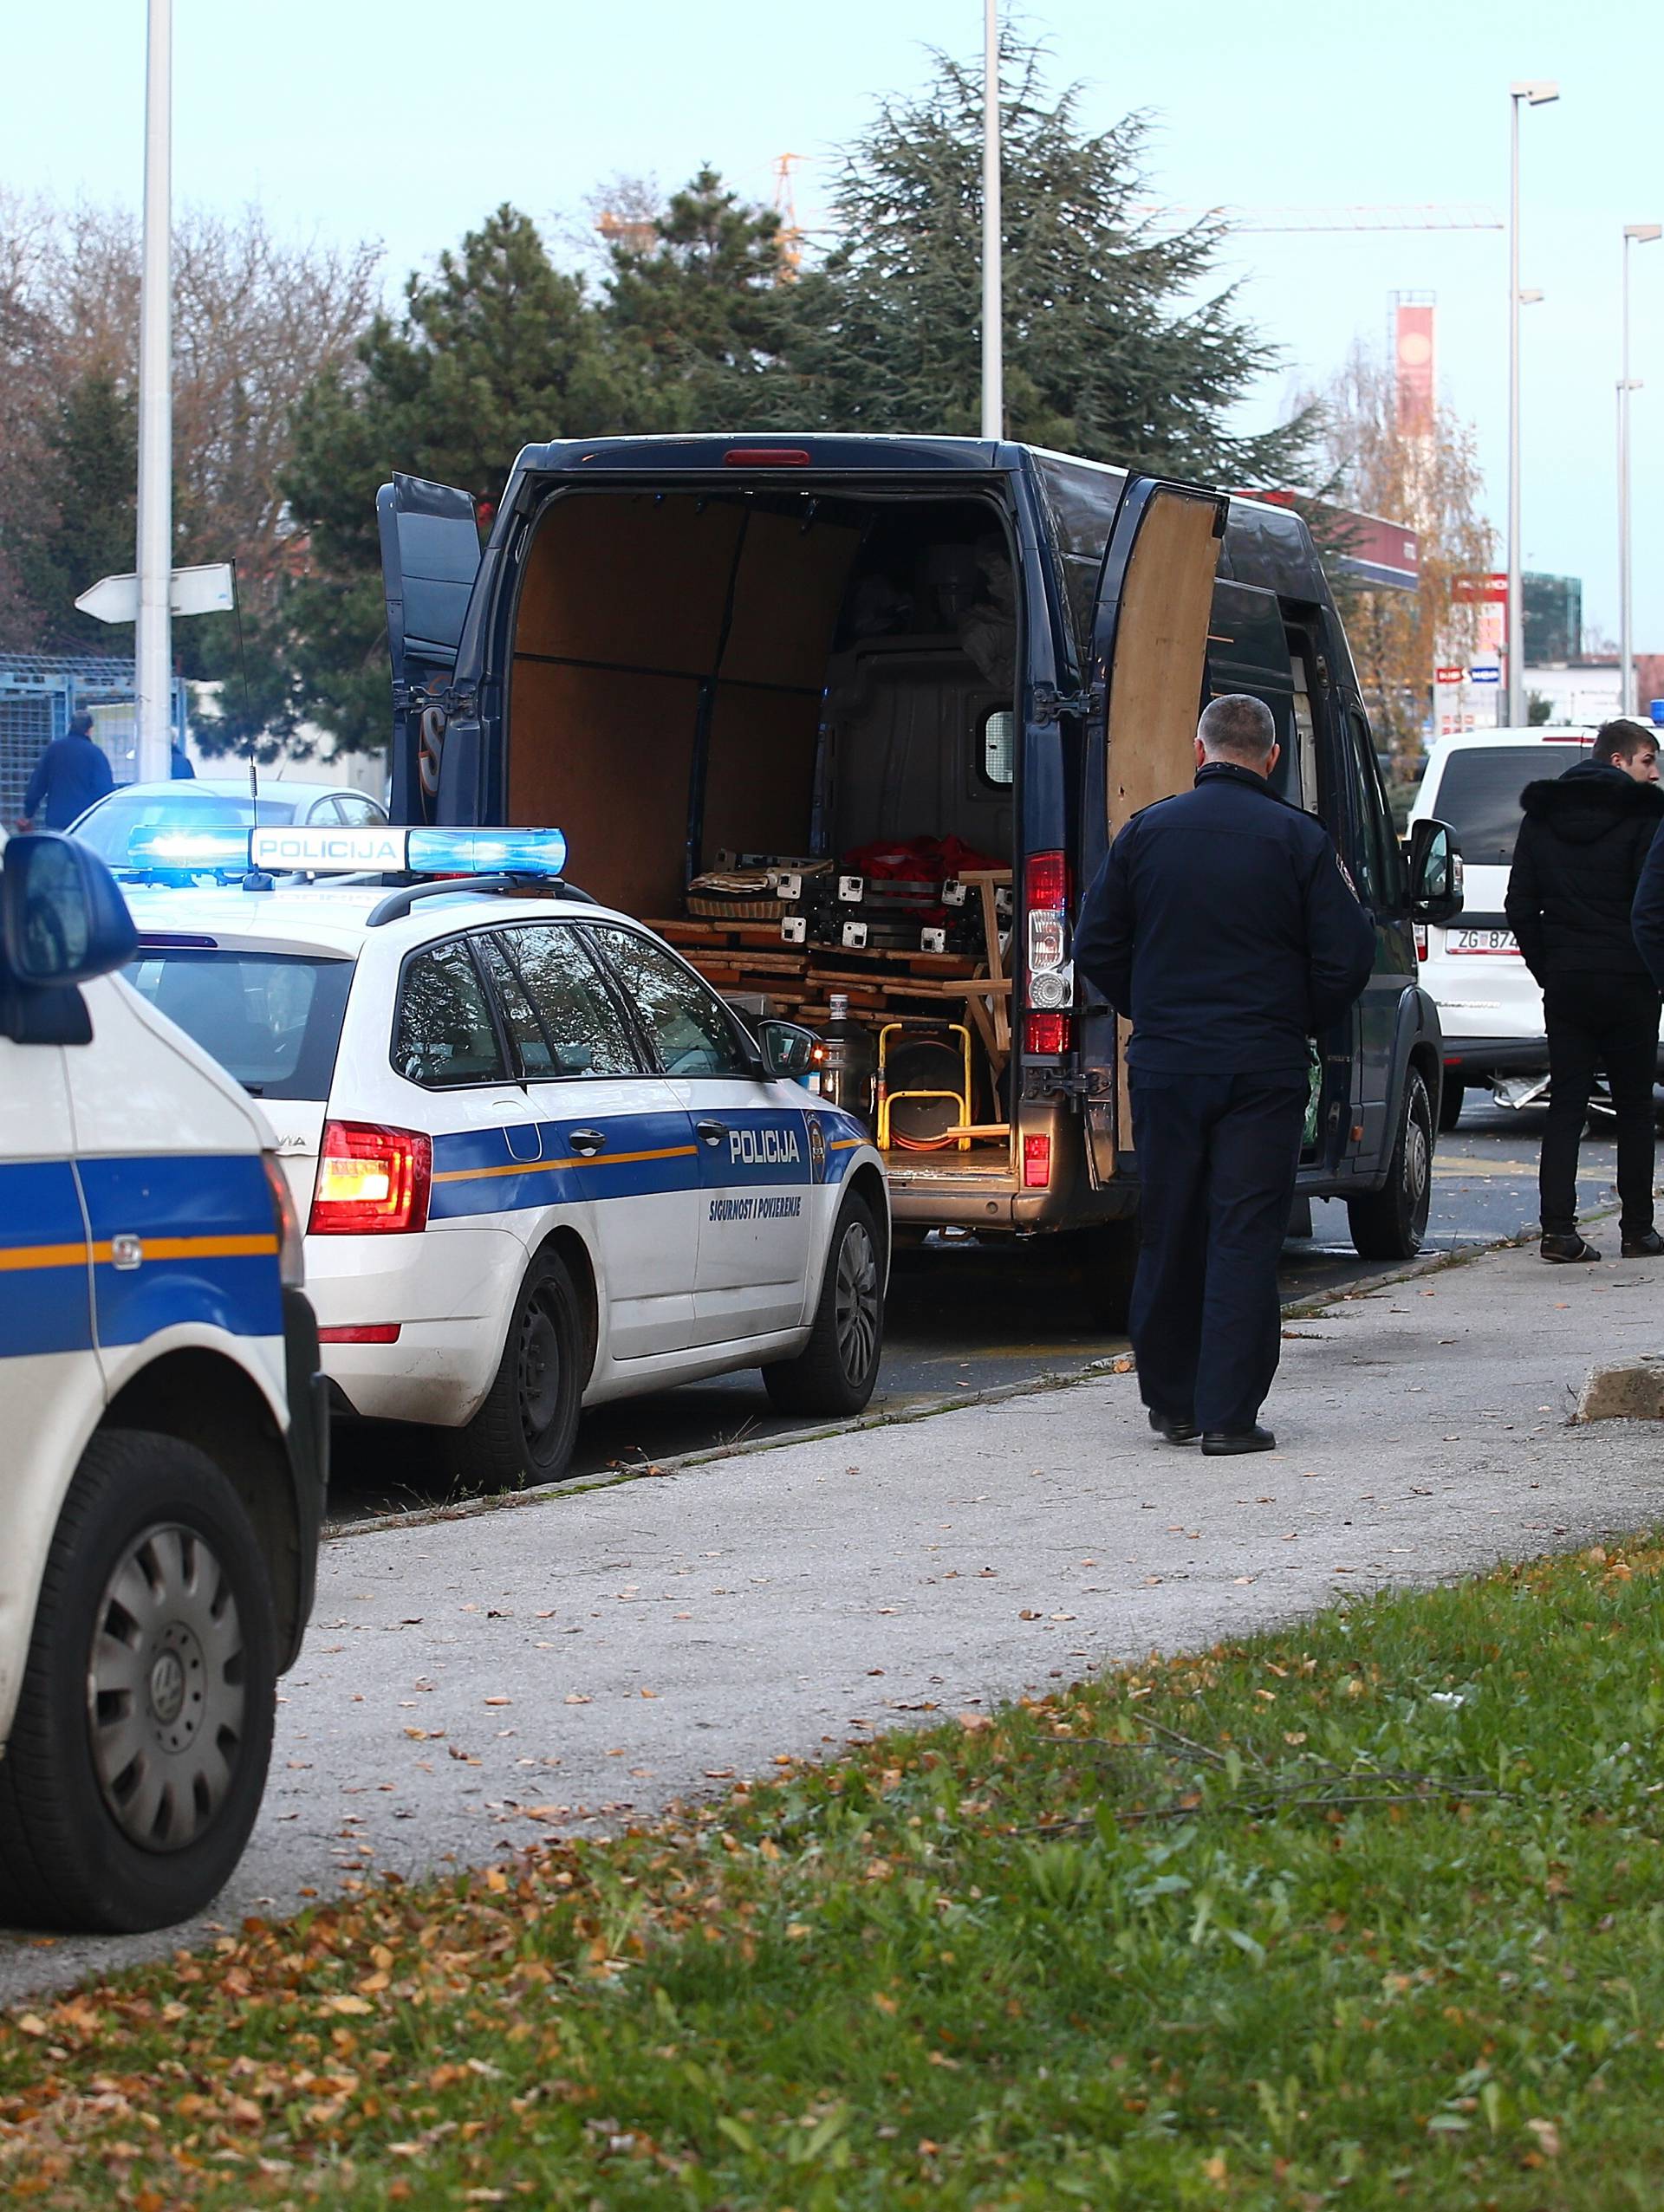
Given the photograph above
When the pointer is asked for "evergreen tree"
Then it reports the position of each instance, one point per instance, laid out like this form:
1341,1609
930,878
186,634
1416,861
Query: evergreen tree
699,316
75,520
1109,352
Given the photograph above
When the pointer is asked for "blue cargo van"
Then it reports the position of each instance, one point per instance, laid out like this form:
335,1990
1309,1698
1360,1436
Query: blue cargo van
682,647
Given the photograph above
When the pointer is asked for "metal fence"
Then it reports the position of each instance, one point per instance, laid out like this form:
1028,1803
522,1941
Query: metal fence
38,694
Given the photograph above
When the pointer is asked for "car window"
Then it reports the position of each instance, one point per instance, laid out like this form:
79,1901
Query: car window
559,1011
270,1019
443,1033
107,825
691,1030
324,812
356,809
1375,851
1477,794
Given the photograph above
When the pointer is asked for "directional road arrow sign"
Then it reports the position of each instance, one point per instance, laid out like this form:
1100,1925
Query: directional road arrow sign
210,589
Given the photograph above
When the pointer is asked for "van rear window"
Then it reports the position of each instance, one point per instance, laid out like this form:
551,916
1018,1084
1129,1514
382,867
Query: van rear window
270,1019
1478,796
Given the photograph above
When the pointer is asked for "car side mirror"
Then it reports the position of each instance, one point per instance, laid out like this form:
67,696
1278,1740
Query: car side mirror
62,920
1435,872
787,1050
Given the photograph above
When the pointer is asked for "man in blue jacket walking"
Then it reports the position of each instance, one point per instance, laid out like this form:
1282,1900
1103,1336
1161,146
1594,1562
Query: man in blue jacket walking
1223,927
70,774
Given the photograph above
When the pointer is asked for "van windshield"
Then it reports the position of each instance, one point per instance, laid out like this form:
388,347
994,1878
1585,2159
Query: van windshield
1478,796
272,1020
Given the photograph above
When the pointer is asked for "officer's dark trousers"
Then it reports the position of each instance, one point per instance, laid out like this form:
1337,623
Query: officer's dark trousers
1597,1021
1217,1156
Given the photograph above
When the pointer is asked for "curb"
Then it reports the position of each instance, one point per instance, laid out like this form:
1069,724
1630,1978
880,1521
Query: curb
993,1394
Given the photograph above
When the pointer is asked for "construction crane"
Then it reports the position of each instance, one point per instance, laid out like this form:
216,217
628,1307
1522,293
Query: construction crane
789,236
1254,220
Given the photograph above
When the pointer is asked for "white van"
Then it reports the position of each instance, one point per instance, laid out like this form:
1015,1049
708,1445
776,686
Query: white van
163,1480
1490,1007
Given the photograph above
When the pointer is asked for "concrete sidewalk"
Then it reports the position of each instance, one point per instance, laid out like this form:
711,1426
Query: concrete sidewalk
470,1686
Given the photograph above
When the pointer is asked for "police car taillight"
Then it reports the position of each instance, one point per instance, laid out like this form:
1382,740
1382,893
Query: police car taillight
291,1252
372,1181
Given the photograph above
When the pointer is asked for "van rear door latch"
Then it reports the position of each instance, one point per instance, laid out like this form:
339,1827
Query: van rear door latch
1090,1084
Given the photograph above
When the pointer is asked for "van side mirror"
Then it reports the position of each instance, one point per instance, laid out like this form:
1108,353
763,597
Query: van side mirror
1435,872
62,920
787,1050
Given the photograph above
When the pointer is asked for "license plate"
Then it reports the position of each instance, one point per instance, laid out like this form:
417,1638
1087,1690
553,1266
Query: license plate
1480,940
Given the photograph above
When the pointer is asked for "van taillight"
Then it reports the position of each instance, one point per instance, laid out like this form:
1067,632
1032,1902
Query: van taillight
1036,1163
1419,932
371,1180
1049,1033
1050,978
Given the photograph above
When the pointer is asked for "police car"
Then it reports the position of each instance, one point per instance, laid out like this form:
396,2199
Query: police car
165,1427
540,1162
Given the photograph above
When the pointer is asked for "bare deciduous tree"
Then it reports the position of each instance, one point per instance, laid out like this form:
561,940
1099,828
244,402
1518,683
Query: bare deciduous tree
1433,484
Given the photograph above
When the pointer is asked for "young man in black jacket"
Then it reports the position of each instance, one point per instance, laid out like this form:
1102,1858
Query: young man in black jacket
1577,865
1222,926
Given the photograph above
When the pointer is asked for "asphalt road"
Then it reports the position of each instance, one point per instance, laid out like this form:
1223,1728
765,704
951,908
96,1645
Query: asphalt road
968,1318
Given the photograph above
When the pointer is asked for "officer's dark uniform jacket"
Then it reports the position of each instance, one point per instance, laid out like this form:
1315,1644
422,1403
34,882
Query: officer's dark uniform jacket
1221,925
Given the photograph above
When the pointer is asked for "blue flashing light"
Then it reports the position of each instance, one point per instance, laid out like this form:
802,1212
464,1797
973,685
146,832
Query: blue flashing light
204,847
1655,708
486,852
366,849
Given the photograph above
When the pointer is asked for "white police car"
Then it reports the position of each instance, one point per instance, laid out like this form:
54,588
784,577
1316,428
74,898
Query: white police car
540,1163
165,1426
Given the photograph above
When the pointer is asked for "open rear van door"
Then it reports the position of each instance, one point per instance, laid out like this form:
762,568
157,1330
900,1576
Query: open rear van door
1149,653
430,557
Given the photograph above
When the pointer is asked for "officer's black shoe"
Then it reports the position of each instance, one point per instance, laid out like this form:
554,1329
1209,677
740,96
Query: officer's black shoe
1176,1432
1220,1443
1647,1246
1566,1250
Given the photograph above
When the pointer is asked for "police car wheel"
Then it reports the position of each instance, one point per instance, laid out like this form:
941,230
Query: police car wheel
138,1758
526,1427
835,1370
1391,1223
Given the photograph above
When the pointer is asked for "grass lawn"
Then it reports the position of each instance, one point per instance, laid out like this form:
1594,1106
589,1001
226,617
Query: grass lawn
1369,1913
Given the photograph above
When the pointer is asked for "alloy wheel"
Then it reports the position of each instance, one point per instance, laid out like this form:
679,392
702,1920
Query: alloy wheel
856,1301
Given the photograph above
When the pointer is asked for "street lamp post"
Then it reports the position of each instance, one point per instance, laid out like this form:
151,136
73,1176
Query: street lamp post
993,374
154,653
1536,93
1635,233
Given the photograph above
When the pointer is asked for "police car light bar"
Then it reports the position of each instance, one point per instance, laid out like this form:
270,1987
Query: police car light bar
373,849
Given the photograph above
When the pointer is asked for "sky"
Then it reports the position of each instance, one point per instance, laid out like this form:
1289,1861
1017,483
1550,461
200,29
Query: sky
405,123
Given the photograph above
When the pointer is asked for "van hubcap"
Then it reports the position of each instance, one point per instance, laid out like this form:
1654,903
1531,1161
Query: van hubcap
164,1688
856,1300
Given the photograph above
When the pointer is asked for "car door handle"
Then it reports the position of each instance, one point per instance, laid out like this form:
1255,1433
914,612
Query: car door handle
713,1132
586,1143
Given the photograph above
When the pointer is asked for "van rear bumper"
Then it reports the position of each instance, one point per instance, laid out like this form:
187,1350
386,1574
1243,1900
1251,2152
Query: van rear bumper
1474,1058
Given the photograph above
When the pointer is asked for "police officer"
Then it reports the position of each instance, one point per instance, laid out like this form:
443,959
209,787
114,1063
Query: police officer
1222,925
71,772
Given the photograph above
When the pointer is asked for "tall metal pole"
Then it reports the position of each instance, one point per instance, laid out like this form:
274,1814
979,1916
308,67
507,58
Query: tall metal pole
1513,715
154,643
1538,93
993,368
1626,644
1635,233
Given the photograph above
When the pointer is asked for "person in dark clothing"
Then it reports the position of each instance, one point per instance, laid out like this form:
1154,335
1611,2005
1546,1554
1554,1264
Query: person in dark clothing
1222,925
179,764
1577,867
70,774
